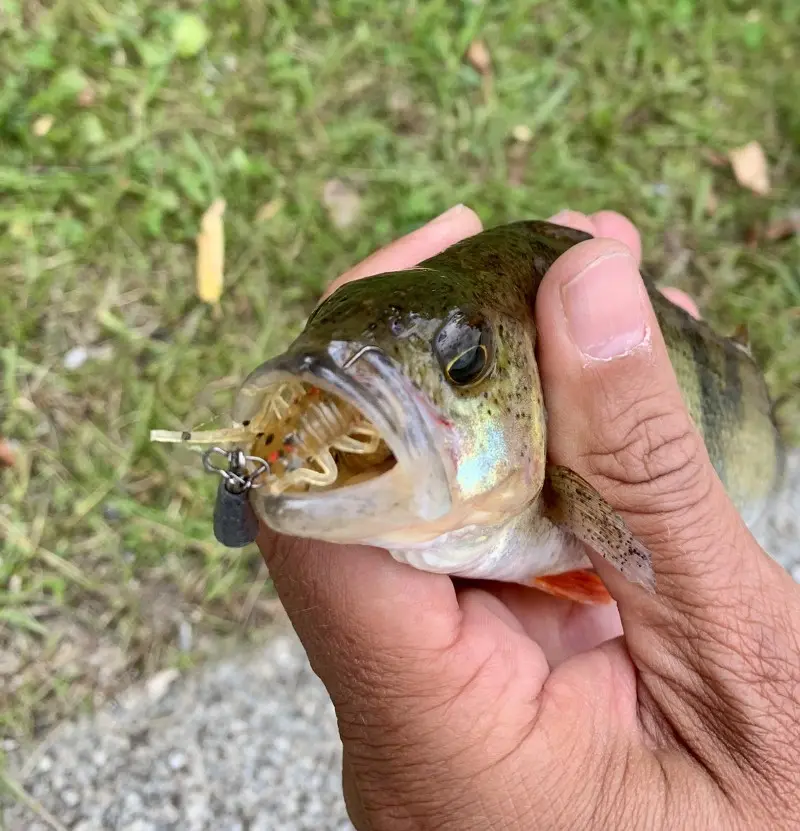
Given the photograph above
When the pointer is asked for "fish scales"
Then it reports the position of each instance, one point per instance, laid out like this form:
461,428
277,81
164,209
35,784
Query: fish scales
722,386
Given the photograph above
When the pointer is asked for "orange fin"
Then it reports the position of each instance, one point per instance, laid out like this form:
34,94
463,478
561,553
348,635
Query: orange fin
582,586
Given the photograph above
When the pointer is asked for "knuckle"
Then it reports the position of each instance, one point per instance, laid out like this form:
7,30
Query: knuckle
643,446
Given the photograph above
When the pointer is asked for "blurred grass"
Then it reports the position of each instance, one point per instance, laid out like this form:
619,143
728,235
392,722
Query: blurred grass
108,567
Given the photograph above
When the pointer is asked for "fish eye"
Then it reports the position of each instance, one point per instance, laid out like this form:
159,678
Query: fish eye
464,347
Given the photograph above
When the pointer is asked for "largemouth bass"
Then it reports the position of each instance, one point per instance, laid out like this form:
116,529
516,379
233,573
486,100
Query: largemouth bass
409,415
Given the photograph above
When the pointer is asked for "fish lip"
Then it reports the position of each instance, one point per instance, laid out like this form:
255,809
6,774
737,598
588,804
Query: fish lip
364,376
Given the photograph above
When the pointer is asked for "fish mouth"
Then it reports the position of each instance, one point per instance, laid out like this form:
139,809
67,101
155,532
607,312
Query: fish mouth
350,443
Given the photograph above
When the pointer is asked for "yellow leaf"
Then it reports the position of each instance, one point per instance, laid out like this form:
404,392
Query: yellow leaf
269,210
522,133
42,125
750,168
211,253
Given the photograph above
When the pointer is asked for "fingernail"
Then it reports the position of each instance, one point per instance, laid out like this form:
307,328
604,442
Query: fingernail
448,214
605,307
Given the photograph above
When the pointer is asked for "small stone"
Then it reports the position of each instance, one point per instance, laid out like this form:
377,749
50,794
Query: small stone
139,825
132,802
111,514
185,636
159,684
45,764
75,358
70,797
177,760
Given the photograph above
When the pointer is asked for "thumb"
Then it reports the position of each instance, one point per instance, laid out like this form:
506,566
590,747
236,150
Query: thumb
617,416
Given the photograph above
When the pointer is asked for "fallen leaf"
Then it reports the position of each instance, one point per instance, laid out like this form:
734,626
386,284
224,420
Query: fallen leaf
712,202
342,202
522,133
517,158
42,125
87,96
785,227
715,159
211,253
400,100
750,168
7,455
269,210
189,35
479,57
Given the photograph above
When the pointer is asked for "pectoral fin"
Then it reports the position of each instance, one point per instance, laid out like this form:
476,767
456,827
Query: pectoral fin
574,505
581,585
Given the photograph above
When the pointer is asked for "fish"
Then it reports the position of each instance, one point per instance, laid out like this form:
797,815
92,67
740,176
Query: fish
409,415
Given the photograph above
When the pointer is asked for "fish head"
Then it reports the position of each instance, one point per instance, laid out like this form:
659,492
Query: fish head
409,408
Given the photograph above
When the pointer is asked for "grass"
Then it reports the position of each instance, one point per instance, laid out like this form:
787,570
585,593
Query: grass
108,564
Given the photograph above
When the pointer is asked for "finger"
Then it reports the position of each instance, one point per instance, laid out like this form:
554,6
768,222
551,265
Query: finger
613,395
612,225
353,604
574,219
452,226
616,415
608,224
560,627
723,615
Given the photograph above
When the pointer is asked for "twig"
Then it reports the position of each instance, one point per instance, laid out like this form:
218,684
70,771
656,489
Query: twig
19,793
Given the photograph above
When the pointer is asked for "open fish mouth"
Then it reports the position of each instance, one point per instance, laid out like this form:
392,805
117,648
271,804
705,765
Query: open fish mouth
351,449
313,440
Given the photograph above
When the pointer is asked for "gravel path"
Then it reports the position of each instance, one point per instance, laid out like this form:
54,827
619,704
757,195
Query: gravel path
247,744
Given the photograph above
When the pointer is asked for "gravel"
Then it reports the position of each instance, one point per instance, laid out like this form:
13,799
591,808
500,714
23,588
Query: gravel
247,744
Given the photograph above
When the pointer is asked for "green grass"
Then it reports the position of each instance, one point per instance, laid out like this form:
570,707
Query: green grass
107,550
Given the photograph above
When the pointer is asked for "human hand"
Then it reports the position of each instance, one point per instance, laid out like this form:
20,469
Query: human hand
465,707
